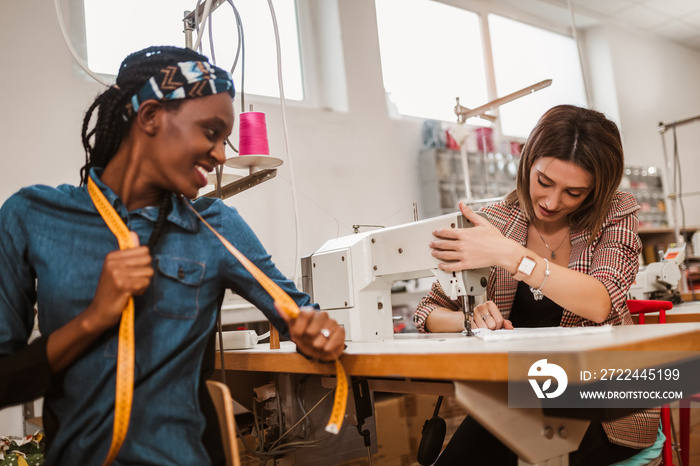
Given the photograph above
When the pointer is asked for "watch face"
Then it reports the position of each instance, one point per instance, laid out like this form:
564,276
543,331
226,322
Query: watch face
526,266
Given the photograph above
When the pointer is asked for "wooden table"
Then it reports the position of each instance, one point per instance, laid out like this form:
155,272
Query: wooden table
442,356
478,371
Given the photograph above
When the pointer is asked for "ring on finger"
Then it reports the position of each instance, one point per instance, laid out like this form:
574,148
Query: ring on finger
325,332
486,316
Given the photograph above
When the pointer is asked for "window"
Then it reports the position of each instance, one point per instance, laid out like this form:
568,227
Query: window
431,53
525,55
115,29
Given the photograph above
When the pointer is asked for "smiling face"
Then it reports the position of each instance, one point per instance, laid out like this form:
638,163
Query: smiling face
189,143
557,189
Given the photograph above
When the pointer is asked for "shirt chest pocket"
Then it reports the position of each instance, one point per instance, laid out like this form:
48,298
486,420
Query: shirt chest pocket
178,283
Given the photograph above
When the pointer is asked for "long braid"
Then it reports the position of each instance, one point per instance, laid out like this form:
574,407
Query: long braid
108,131
165,205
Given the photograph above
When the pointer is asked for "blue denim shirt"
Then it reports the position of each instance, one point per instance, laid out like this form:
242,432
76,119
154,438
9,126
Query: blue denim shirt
51,253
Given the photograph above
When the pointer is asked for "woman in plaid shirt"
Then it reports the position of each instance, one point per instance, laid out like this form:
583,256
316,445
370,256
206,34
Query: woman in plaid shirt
563,250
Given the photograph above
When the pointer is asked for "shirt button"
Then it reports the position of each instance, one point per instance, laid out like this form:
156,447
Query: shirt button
180,273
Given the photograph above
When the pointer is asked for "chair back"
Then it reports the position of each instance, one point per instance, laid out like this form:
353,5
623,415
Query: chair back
221,397
642,306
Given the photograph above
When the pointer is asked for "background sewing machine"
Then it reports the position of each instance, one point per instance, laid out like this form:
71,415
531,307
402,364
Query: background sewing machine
351,277
660,280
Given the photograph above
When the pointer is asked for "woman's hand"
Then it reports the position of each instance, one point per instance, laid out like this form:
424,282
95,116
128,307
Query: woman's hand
471,248
125,273
316,334
487,315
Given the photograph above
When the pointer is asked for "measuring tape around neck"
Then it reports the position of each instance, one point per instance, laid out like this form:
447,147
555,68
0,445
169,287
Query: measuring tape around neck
290,308
125,354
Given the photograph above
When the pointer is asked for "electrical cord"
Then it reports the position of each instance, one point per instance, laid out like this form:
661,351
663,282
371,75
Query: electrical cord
239,31
677,178
284,448
241,47
73,52
221,346
292,180
211,38
300,420
578,49
301,389
200,27
213,59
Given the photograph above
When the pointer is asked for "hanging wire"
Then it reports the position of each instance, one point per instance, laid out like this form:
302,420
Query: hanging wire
677,179
213,59
241,48
677,176
578,49
211,39
275,450
200,27
71,49
239,31
292,180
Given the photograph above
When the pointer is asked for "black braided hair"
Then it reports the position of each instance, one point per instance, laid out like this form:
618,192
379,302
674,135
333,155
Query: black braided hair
112,124
102,141
166,203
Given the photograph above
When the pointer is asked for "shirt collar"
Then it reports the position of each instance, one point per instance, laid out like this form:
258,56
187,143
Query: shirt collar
179,215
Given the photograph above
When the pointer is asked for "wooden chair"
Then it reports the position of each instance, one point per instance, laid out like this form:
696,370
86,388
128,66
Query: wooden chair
221,396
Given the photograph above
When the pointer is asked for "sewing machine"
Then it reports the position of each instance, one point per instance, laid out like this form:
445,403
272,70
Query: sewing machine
659,280
351,277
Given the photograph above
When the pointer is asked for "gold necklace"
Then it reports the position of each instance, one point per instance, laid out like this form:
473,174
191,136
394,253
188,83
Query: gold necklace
553,252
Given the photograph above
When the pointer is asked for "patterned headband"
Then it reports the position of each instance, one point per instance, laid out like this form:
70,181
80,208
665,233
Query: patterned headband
183,81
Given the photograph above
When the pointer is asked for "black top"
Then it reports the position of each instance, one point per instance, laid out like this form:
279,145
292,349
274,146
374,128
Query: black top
527,312
33,358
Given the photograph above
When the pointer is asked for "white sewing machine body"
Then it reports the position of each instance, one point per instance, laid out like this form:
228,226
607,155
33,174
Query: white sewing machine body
659,277
351,277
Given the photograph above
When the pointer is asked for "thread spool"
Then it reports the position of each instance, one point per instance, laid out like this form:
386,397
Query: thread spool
253,147
253,134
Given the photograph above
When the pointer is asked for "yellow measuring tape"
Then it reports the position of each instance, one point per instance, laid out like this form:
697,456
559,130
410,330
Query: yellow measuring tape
125,354
290,308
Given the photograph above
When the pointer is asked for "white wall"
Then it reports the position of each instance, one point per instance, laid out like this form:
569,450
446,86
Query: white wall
658,82
354,167
12,421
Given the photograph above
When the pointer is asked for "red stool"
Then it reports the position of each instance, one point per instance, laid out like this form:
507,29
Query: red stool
685,427
640,307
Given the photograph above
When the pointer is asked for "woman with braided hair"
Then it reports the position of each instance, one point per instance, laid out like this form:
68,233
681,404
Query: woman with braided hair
158,133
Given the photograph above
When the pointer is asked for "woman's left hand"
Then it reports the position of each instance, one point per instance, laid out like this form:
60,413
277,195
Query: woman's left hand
316,334
487,315
470,248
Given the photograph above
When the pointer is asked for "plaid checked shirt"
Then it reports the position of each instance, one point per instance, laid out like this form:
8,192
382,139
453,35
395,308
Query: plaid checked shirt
612,257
